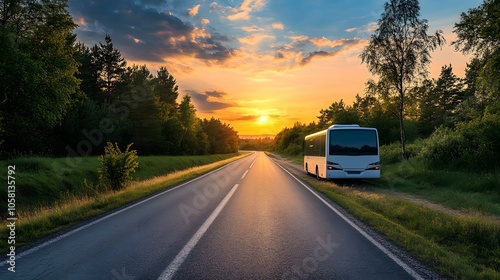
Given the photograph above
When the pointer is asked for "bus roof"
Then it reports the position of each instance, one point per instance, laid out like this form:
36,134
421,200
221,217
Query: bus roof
345,126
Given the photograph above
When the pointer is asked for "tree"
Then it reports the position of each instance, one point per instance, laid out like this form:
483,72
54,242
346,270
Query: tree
337,113
37,72
144,118
88,72
166,90
478,32
222,138
399,52
113,67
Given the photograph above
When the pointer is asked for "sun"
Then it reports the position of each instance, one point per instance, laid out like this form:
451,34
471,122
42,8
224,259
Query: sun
263,119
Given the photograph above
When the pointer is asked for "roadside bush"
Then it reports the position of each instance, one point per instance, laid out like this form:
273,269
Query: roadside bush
391,153
471,146
117,166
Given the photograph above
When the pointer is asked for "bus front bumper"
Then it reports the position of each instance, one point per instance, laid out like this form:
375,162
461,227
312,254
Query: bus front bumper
353,174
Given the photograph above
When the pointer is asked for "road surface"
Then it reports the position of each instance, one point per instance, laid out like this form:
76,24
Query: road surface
248,220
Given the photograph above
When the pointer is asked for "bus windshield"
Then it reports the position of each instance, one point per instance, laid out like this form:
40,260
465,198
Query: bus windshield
353,142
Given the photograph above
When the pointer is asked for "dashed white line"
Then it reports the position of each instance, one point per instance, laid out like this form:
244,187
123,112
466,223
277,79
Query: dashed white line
172,268
245,174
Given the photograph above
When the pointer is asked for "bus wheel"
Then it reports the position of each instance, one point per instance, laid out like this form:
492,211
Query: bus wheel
307,170
317,173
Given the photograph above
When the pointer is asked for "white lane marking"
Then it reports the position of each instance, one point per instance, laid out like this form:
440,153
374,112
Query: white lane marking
38,247
251,165
245,174
388,253
172,268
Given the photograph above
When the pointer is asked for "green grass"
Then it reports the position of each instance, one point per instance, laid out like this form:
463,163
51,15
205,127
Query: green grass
35,222
44,181
459,190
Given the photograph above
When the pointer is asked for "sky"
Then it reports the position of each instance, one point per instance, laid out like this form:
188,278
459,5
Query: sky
258,65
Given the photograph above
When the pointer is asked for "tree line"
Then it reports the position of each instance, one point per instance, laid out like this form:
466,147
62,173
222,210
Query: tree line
60,97
458,117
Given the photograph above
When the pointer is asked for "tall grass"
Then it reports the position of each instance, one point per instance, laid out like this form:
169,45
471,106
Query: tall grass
45,181
472,191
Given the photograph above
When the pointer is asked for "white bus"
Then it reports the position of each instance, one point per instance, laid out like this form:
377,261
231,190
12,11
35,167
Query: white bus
343,152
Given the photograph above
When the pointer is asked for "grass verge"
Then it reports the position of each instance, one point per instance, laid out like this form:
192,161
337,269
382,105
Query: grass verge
40,222
44,181
457,246
459,190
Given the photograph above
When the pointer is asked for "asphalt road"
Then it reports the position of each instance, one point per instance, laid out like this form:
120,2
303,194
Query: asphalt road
248,220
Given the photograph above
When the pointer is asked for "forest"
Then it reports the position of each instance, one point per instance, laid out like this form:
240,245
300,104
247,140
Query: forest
448,122
60,97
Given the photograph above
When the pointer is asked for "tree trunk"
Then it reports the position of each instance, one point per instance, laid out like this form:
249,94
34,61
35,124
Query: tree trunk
401,126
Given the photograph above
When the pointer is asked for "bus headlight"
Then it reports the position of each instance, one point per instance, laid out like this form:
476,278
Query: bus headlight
333,166
373,166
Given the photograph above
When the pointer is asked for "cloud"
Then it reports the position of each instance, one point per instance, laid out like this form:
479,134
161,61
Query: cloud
194,10
367,28
302,49
310,56
255,39
253,28
278,25
204,21
162,35
243,12
205,103
215,93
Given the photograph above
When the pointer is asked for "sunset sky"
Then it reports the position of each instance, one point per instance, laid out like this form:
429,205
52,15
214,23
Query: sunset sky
259,65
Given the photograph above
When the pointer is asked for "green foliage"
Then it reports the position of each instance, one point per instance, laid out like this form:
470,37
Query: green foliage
256,144
74,112
470,146
478,29
221,137
37,72
338,113
289,141
478,32
112,66
117,166
44,181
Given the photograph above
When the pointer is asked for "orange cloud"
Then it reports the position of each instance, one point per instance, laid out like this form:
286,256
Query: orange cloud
277,25
194,10
253,28
255,39
243,12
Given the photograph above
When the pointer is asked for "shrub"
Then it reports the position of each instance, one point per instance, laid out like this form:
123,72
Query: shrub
471,146
117,166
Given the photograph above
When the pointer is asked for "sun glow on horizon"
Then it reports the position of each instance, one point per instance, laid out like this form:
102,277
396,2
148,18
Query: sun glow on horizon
263,120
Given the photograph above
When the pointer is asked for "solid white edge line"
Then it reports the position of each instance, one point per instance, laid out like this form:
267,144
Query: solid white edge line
244,174
172,268
48,242
381,247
